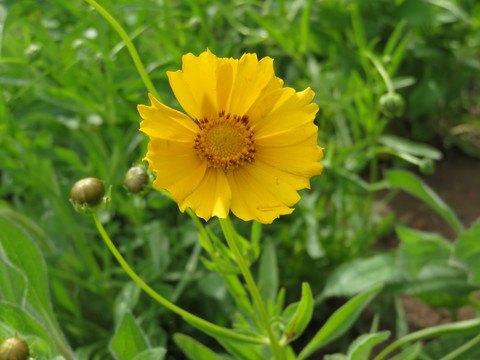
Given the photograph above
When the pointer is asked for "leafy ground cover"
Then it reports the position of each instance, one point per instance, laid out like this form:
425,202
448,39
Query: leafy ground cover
397,83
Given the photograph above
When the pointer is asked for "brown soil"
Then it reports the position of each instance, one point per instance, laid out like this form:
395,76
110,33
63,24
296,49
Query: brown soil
457,181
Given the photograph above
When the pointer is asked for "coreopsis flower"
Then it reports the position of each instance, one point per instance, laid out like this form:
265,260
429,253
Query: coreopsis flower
247,144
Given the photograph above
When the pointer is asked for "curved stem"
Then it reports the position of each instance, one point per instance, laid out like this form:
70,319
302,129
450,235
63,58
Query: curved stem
204,325
229,233
462,349
454,328
381,70
131,48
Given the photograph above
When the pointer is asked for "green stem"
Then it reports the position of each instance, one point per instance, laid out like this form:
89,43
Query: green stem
229,232
466,326
381,70
128,43
204,325
462,349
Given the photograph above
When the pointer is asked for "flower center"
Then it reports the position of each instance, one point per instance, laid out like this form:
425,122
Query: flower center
226,141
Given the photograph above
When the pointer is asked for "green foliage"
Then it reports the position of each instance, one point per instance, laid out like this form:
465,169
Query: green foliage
340,321
25,300
68,97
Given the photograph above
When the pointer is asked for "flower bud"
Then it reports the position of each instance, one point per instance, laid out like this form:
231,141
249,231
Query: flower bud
14,348
89,191
136,179
88,195
392,104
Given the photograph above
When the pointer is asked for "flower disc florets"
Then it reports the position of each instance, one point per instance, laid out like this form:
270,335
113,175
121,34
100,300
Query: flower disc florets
226,141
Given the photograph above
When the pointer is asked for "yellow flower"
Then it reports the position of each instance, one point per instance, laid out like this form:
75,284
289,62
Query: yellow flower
247,145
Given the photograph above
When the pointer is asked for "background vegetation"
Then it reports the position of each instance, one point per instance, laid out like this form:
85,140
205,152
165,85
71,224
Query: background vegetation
68,97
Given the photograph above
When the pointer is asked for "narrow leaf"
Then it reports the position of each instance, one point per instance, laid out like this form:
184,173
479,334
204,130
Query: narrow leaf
361,348
340,321
242,352
466,252
410,147
268,274
358,275
151,354
415,186
193,349
410,353
419,249
128,340
302,316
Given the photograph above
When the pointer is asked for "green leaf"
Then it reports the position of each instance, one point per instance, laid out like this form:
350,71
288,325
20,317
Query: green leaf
15,320
268,274
419,249
453,8
361,348
466,252
17,249
358,275
335,357
340,321
151,354
302,315
412,184
20,252
242,351
457,328
13,283
128,340
193,349
434,279
410,353
410,147
125,300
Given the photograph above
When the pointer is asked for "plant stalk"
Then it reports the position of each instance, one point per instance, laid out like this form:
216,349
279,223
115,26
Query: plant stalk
229,232
204,325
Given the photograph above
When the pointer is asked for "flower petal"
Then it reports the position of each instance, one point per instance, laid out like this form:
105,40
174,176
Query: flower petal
275,185
251,79
291,110
212,197
251,200
195,86
177,165
299,159
288,137
296,181
160,121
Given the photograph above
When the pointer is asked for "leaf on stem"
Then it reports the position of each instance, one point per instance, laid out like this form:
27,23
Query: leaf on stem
128,340
302,315
415,186
193,349
340,321
467,252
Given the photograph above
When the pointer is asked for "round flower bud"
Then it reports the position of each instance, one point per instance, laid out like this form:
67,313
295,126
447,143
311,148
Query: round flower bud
392,104
89,191
136,179
14,348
